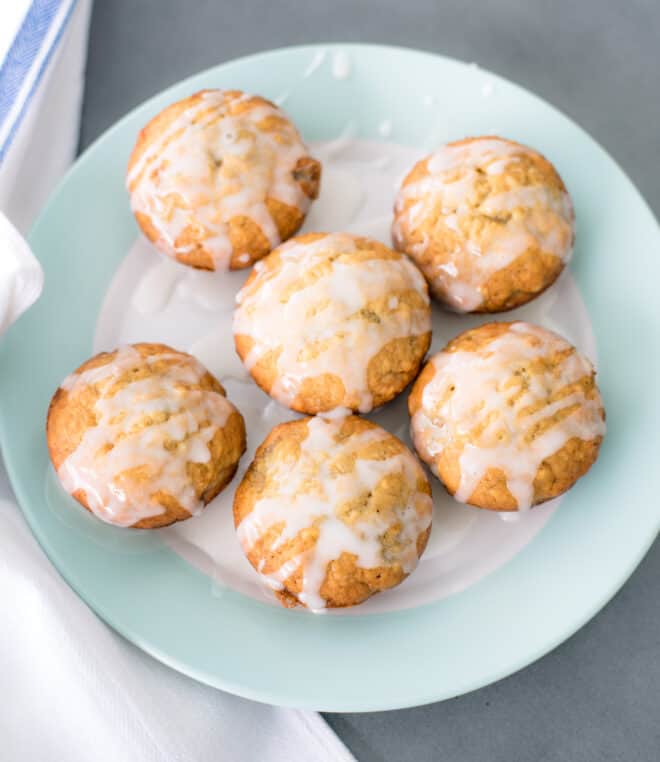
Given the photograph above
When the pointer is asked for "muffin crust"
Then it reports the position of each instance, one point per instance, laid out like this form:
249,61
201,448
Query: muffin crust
330,321
219,179
332,511
143,436
508,415
488,221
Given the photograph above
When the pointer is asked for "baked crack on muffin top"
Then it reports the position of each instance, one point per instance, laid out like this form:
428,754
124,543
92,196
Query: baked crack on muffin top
488,221
333,320
219,179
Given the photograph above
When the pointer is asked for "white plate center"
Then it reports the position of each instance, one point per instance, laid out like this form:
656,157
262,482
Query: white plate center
152,298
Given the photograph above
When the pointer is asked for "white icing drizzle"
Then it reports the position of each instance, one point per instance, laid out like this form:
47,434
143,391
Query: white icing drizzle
156,287
385,128
341,198
325,315
509,517
209,290
216,352
335,414
380,163
488,88
333,148
316,62
117,444
341,64
545,218
311,491
470,388
209,166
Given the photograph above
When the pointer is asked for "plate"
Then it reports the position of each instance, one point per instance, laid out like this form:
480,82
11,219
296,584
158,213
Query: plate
394,656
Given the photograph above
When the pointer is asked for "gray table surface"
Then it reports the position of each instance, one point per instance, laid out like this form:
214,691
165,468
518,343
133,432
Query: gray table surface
597,697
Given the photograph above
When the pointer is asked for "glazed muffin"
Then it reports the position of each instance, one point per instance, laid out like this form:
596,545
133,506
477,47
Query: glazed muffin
507,415
330,321
143,436
219,179
488,221
332,511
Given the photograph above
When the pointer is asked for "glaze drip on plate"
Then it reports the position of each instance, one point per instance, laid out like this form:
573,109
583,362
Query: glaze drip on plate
147,433
317,491
509,405
223,157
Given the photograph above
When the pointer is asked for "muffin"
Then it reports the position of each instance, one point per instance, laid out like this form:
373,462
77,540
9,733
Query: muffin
219,179
334,320
143,436
488,221
332,511
507,415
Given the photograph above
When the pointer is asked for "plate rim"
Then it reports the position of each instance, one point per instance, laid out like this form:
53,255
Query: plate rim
117,125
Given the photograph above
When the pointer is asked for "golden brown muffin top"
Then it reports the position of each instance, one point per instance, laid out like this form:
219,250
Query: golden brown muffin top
324,305
504,396
132,425
320,489
475,206
217,156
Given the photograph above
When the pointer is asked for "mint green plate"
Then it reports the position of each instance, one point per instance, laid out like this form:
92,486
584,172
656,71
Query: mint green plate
363,662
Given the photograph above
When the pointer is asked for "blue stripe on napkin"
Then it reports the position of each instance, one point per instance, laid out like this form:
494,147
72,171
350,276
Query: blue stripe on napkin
36,30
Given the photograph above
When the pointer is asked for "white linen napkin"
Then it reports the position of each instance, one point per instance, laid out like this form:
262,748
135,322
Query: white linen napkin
78,691
39,79
21,276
